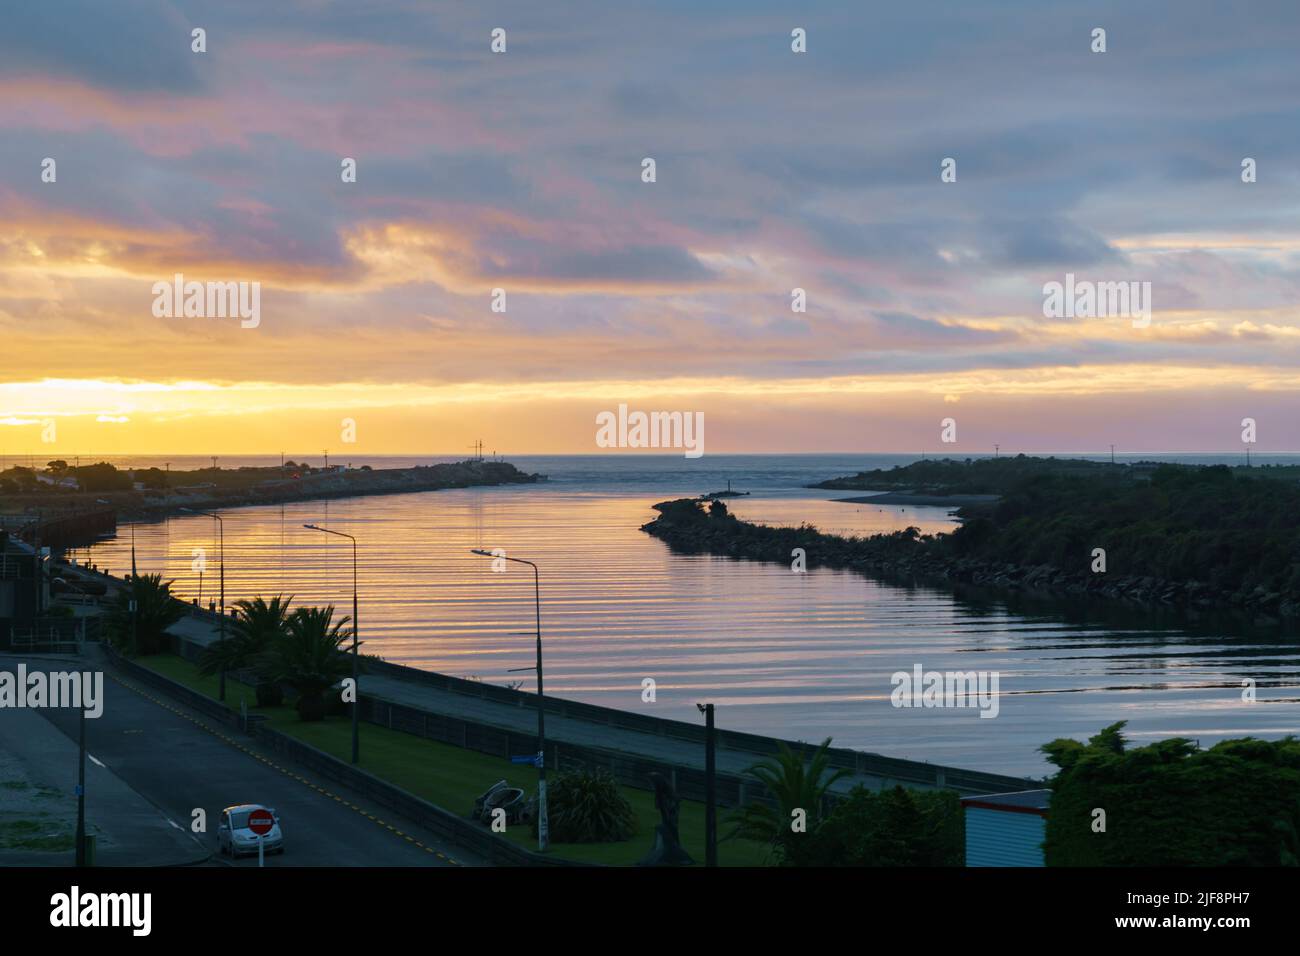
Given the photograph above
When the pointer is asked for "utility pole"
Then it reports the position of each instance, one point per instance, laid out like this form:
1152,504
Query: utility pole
81,788
1112,454
710,791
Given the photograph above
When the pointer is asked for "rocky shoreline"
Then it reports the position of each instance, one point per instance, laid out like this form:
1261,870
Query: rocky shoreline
352,484
156,503
902,556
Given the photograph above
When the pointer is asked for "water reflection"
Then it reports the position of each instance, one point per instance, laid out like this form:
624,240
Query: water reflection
802,656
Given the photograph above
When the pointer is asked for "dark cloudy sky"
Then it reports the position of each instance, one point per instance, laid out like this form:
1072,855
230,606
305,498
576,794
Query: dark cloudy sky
775,170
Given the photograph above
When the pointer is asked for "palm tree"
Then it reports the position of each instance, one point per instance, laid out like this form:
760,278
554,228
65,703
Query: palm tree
307,657
257,625
795,788
145,631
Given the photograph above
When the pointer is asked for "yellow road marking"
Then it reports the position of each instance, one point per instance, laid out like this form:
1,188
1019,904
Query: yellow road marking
288,773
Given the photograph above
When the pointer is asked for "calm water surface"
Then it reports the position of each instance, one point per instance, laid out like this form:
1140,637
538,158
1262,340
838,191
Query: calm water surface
801,656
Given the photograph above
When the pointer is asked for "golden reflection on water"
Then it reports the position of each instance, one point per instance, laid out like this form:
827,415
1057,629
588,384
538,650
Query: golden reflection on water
801,656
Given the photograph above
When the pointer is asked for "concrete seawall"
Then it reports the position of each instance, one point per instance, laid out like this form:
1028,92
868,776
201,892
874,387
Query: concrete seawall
500,721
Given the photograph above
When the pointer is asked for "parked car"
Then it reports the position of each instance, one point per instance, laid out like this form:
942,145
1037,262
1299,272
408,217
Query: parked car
234,837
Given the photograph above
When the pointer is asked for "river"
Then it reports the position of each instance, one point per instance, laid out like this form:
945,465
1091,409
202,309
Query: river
800,656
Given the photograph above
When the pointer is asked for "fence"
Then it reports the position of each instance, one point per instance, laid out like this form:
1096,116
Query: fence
62,635
190,698
890,769
630,769
464,833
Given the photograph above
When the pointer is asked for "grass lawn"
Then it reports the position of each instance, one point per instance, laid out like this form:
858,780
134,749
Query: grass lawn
452,777
35,834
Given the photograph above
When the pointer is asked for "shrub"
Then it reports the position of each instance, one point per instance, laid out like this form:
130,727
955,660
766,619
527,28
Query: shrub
895,827
587,806
1172,804
333,701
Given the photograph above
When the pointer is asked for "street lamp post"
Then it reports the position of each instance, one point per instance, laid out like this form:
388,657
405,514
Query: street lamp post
81,788
356,704
222,526
135,616
543,827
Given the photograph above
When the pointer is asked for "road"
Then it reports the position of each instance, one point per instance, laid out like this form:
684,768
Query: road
180,761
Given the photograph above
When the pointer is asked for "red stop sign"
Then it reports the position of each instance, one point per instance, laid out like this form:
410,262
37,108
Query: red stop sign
260,822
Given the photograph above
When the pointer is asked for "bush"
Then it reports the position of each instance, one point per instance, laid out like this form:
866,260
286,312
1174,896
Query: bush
334,705
101,477
269,693
587,807
1171,804
311,706
895,827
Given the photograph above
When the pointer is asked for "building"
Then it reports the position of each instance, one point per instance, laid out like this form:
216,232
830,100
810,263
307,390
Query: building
68,482
1006,829
23,593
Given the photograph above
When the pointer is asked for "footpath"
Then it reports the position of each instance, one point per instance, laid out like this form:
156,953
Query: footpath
38,801
517,717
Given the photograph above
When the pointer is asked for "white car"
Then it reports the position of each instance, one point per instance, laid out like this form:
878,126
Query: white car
234,836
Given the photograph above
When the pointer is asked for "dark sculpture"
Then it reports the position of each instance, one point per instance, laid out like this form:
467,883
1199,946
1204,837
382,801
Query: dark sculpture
667,849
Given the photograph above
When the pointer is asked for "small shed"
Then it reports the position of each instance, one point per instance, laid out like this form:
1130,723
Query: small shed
1006,829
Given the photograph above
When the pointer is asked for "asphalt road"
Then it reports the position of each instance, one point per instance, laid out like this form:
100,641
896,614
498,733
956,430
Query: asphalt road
180,761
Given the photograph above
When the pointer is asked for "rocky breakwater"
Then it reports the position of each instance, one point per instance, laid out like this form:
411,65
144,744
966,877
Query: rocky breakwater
260,489
909,557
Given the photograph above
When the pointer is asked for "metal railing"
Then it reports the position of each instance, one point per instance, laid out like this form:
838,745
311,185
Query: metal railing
62,634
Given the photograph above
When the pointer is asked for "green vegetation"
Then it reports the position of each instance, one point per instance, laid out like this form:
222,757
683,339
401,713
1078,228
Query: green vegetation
1230,531
1205,536
143,631
981,476
300,650
586,806
897,827
42,834
257,626
1172,804
307,658
215,485
800,794
452,777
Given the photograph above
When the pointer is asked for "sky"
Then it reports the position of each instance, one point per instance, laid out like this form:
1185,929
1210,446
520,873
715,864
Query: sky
522,171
